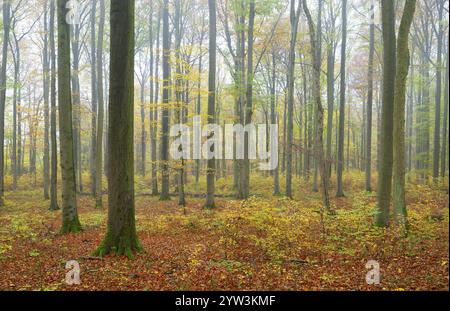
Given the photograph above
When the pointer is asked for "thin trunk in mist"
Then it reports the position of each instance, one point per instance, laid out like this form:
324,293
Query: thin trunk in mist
211,170
368,151
6,31
340,153
100,119
54,148
294,19
165,109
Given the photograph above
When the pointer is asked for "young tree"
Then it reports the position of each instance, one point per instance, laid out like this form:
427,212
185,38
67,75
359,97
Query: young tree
210,174
403,62
318,141
121,237
368,151
165,109
294,19
438,93
389,73
100,114
6,30
46,85
70,219
54,148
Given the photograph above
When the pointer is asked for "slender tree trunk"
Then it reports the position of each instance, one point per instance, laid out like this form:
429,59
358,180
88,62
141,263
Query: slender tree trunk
340,157
54,148
273,120
248,106
46,85
389,73
121,237
330,99
154,113
318,141
94,94
294,18
445,125
165,110
210,174
368,153
6,30
70,222
437,111
100,121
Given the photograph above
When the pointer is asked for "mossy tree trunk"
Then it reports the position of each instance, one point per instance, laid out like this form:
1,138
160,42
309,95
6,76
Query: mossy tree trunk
387,113
121,237
70,222
403,62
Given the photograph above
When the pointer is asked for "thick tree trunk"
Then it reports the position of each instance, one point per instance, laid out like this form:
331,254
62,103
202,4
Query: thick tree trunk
403,63
389,73
121,237
70,222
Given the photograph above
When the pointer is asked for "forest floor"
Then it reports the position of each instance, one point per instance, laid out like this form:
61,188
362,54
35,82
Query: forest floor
264,243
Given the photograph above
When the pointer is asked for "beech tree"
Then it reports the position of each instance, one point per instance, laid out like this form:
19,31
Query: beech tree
70,221
121,237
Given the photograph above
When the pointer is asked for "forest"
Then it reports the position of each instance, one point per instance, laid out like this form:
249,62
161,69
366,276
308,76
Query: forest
203,145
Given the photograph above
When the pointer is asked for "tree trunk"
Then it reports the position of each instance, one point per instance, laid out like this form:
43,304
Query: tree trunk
318,141
368,153
389,73
46,85
340,156
70,222
294,19
6,30
94,94
445,125
100,121
165,109
438,92
403,63
121,237
54,148
210,174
